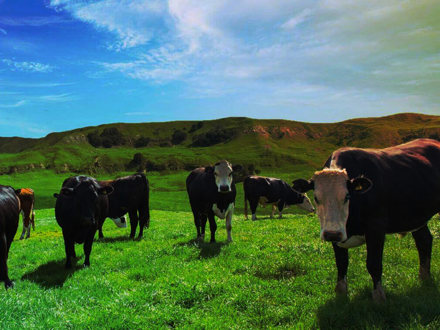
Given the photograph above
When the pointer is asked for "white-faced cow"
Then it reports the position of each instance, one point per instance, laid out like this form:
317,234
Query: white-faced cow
81,205
9,215
27,200
363,194
131,195
211,191
278,193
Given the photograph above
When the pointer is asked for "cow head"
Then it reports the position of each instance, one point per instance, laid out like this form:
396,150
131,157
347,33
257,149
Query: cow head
332,189
299,199
223,175
83,199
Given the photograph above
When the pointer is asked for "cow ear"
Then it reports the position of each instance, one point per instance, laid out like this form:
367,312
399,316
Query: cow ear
237,167
56,195
17,191
67,191
209,169
106,190
302,185
359,185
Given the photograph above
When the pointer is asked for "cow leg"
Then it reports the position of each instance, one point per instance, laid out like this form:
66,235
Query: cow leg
273,211
133,222
197,222
423,239
280,209
341,256
3,262
23,231
69,246
142,222
212,226
203,219
28,231
253,203
88,247
229,224
375,243
33,219
100,234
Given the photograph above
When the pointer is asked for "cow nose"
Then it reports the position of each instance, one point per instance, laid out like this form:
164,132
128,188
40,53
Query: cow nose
224,188
332,236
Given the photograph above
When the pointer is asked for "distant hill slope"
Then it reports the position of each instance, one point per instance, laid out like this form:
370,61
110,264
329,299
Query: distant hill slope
185,144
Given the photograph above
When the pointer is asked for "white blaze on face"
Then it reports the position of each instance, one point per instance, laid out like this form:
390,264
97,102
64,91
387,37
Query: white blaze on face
331,197
306,204
120,222
223,176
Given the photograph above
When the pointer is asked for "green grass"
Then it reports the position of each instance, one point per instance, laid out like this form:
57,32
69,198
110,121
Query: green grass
275,273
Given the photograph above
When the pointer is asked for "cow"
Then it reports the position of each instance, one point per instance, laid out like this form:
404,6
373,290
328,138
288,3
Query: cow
131,195
363,194
80,206
211,192
27,200
9,216
258,189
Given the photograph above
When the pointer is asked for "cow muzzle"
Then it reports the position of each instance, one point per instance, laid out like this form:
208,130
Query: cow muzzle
332,236
224,188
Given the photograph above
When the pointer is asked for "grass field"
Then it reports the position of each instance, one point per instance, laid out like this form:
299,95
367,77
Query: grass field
276,273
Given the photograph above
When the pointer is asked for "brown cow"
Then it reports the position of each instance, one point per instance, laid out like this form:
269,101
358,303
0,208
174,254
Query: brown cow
27,200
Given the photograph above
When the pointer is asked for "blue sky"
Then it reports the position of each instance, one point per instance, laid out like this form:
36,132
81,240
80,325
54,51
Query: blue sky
72,63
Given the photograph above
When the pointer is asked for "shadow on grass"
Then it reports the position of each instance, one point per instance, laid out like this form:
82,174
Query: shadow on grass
207,250
417,307
52,274
114,239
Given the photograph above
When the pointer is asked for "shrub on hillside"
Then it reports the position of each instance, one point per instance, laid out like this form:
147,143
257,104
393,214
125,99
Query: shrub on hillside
196,126
142,142
214,136
178,137
109,137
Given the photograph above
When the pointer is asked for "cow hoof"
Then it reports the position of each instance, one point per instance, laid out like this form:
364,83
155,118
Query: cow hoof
68,265
341,287
379,295
9,284
212,241
229,240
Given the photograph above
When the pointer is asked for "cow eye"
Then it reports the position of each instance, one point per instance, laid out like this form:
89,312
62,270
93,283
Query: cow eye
347,198
316,200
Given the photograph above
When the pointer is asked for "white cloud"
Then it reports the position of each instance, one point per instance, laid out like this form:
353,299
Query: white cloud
3,31
14,105
32,20
375,48
28,66
64,97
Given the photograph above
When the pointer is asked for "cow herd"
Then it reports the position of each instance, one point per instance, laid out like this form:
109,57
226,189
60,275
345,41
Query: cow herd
360,196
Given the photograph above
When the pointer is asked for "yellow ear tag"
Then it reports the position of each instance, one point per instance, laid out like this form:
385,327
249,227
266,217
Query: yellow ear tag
358,187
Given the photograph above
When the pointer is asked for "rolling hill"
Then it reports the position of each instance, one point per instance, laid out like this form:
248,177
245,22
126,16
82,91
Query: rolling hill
182,145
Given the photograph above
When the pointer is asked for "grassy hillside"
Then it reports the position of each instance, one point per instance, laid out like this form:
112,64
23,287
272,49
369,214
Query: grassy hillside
276,273
167,151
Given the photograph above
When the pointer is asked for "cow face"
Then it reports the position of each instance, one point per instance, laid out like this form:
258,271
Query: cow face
306,204
223,175
333,189
83,199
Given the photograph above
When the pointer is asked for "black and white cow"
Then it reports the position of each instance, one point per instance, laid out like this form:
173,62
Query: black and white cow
363,194
211,191
9,214
81,205
258,189
131,195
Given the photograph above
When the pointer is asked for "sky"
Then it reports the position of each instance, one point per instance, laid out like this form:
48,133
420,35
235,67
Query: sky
66,64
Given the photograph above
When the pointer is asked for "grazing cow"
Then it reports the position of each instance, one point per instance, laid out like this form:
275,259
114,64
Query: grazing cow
9,215
81,205
363,194
211,191
131,195
258,189
27,200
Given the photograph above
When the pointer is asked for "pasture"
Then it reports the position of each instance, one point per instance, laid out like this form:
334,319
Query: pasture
277,272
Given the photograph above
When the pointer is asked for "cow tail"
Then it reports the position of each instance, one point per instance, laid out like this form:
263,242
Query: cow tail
245,205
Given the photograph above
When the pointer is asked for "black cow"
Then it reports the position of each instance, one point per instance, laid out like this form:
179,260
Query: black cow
211,191
363,194
9,215
131,195
81,205
258,189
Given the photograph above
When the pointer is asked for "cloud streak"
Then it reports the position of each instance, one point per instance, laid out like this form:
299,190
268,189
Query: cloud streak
14,105
28,66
